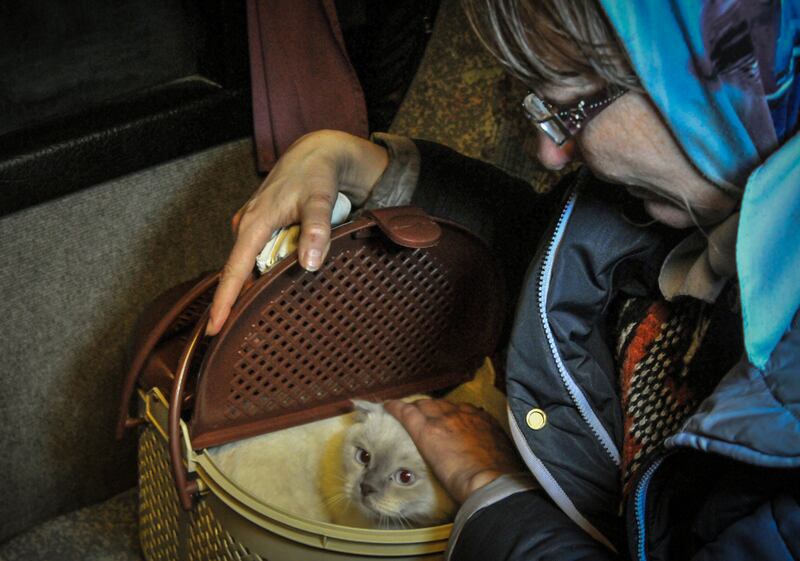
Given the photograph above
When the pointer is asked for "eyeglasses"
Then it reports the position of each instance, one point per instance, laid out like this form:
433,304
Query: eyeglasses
562,123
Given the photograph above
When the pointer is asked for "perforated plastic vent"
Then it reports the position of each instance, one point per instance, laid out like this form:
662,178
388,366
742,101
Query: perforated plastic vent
362,323
189,316
377,320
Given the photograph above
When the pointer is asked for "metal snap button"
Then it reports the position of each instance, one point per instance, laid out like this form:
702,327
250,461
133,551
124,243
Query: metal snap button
536,419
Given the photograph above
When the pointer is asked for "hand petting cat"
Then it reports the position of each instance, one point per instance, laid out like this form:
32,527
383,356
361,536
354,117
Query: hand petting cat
464,445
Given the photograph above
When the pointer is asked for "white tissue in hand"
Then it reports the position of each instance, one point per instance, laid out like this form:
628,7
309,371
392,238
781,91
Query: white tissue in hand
341,210
284,241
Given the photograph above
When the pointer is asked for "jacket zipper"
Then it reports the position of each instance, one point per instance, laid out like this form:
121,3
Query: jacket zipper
581,404
640,500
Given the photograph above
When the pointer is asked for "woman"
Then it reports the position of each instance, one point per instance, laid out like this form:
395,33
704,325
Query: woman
692,107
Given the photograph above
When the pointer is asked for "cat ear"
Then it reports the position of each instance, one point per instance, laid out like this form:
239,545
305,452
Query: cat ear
363,408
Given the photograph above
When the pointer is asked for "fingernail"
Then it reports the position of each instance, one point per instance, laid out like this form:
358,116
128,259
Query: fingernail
313,258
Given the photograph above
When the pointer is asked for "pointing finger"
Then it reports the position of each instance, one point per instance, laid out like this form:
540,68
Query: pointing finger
234,274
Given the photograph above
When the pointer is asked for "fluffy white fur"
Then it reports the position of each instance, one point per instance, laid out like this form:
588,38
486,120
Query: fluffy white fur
283,468
311,470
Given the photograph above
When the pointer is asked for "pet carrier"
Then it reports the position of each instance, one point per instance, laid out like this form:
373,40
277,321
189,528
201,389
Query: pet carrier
404,303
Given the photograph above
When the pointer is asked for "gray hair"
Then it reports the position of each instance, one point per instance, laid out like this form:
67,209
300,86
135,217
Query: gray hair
551,41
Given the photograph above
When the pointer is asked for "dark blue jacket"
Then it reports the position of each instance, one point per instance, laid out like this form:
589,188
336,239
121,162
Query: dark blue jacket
725,487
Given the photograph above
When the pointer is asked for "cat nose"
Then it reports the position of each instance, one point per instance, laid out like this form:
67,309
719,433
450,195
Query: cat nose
367,489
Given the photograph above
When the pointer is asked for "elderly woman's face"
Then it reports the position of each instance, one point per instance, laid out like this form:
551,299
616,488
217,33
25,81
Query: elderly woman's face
628,143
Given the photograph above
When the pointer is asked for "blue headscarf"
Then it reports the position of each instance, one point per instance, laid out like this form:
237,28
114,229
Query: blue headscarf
725,76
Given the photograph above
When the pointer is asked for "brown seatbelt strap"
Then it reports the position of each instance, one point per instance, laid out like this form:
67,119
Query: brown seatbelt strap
301,77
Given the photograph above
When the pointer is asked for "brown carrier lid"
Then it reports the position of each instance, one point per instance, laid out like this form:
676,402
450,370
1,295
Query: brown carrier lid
378,320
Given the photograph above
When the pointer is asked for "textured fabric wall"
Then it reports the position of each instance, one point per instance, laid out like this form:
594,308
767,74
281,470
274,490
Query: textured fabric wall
75,274
461,97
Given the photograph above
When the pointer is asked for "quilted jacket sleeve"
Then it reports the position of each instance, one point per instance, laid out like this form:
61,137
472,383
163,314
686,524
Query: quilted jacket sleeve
525,526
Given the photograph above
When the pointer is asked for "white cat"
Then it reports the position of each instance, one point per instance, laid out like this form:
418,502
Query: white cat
381,481
359,470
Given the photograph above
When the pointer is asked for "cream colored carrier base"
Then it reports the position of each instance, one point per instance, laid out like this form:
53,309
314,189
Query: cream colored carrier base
228,524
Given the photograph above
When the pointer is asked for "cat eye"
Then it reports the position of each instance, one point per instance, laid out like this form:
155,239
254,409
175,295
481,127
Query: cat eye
404,477
362,456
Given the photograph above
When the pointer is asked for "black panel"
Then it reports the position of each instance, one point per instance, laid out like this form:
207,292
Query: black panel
93,90
65,155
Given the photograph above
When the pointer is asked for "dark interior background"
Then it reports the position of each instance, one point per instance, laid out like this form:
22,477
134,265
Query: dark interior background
92,90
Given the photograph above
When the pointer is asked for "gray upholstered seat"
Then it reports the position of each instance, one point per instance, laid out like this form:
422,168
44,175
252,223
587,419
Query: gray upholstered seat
105,531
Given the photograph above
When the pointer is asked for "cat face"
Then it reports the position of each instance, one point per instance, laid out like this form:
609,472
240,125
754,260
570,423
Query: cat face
385,477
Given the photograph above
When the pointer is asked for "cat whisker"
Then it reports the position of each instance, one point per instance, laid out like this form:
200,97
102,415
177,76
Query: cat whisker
335,499
332,501
337,502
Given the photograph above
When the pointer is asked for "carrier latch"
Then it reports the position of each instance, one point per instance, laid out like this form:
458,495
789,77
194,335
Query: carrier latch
407,226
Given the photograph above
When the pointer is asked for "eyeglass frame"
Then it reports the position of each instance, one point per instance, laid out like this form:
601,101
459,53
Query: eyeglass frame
561,123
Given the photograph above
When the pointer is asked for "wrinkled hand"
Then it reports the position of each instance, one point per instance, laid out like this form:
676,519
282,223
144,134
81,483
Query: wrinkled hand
301,188
464,445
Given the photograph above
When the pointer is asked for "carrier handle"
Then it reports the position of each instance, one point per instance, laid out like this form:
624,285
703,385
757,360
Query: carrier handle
185,487
407,226
124,420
